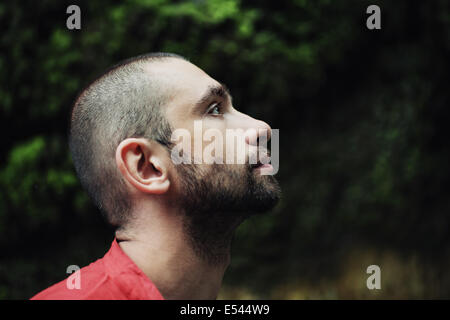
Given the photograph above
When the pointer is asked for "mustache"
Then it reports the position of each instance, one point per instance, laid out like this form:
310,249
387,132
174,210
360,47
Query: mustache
260,156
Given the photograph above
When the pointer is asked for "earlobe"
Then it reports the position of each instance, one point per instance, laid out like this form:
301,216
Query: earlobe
141,165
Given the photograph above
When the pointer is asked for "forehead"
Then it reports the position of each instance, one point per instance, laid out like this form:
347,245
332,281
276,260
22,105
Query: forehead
184,80
186,84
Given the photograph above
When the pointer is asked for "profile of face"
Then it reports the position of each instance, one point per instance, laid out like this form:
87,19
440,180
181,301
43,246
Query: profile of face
228,190
215,197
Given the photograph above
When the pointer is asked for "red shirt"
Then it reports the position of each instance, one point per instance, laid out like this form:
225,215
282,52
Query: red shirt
113,277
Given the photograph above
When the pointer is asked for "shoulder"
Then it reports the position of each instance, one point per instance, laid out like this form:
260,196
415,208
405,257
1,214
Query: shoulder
113,277
93,284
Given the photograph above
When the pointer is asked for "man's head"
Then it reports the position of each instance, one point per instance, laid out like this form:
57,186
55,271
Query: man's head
122,147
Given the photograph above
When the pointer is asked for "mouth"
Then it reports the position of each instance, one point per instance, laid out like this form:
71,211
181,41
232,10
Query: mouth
260,165
256,165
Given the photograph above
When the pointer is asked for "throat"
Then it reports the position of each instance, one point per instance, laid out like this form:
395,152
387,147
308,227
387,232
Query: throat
182,264
210,237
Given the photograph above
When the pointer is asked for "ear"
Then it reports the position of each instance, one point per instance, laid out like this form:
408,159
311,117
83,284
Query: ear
141,163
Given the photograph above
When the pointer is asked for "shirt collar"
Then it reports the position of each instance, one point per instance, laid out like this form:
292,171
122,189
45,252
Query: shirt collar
127,276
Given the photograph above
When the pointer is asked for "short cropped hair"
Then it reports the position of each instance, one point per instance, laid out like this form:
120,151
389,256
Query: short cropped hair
124,102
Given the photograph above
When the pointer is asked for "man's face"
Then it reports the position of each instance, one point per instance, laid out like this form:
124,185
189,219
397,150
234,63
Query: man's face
229,189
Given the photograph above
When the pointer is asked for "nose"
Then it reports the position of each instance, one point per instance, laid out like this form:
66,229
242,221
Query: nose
259,130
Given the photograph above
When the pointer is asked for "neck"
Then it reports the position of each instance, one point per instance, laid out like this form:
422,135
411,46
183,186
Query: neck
164,249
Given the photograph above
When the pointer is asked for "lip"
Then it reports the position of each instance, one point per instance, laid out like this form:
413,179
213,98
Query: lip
261,165
265,167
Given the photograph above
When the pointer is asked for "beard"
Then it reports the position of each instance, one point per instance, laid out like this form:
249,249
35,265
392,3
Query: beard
216,199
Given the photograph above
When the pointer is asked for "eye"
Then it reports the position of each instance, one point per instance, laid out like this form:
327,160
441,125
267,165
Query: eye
214,109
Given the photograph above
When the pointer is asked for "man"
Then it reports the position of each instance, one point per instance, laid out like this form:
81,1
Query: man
174,221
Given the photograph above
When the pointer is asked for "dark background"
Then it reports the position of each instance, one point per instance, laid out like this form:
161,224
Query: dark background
363,118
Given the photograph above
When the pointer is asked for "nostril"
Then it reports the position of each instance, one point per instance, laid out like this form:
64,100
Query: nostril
251,137
264,135
260,133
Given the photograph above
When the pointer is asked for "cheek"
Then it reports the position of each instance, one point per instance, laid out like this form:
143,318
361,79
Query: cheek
213,145
235,149
215,141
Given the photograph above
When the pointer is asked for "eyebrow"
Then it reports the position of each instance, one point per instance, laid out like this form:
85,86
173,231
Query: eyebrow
214,91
